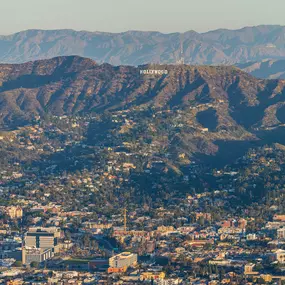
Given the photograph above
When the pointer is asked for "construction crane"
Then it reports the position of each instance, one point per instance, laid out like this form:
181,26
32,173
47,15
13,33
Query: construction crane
125,220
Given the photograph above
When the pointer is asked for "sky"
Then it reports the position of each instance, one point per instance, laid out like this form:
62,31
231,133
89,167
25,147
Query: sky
148,15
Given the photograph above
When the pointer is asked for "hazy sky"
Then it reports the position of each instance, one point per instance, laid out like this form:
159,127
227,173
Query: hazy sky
122,15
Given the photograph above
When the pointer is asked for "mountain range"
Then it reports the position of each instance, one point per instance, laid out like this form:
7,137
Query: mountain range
249,44
208,109
271,69
73,85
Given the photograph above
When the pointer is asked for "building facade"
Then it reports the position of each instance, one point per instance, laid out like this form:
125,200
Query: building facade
14,212
38,255
42,238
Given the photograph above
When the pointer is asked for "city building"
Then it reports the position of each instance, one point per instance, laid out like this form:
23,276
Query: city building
9,245
242,223
280,255
14,212
165,229
42,238
248,269
120,262
93,225
172,281
150,246
206,216
152,275
281,233
266,278
17,281
279,218
10,248
251,237
39,255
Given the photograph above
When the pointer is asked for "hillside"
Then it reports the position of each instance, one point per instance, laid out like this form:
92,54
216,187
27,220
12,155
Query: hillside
74,85
138,137
192,109
137,47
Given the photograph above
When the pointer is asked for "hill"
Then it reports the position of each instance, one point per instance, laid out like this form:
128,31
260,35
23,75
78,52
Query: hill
138,136
75,85
198,110
137,47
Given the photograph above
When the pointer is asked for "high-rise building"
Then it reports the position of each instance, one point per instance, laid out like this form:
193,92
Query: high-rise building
43,238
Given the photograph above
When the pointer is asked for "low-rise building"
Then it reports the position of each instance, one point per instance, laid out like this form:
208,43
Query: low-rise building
150,275
248,269
281,233
280,255
14,212
39,255
120,262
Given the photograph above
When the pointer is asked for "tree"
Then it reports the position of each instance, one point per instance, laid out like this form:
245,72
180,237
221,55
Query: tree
201,221
208,246
34,264
18,264
68,235
86,240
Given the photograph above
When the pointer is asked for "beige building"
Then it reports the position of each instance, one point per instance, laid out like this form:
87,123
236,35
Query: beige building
165,229
14,212
281,233
280,255
43,238
248,269
18,281
152,275
124,259
266,277
39,255
93,225
55,230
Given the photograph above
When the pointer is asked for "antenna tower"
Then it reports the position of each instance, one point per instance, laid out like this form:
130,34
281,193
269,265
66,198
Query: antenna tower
181,58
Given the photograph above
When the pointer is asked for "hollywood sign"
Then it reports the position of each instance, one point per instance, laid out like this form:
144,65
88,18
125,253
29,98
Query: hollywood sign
153,71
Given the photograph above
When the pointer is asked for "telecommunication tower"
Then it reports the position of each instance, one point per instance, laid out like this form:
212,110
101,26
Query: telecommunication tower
181,59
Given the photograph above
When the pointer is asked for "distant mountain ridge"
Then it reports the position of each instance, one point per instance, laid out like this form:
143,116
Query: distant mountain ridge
136,47
270,69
